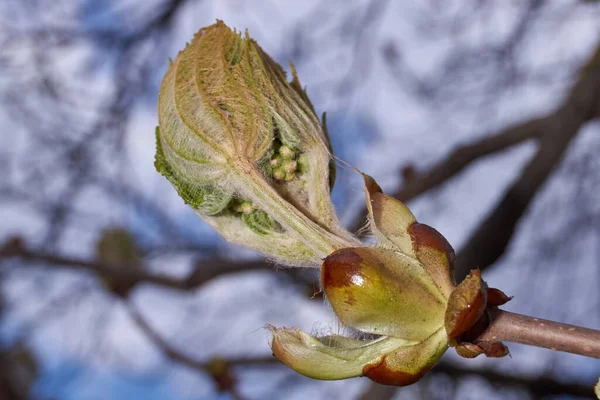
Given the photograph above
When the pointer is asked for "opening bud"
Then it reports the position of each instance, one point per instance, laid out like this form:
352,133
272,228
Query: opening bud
231,132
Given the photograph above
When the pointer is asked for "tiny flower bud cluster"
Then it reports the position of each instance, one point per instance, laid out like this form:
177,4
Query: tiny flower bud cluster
284,164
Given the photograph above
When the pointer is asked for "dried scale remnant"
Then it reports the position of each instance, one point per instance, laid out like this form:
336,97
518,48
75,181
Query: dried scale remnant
232,132
466,316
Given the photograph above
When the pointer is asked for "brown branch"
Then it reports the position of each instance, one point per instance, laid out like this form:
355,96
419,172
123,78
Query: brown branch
169,351
205,270
180,357
490,240
461,157
11,384
420,182
511,327
555,131
464,155
218,369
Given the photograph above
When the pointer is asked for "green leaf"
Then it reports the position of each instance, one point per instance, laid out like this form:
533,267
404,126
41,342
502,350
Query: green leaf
387,360
331,357
260,222
208,199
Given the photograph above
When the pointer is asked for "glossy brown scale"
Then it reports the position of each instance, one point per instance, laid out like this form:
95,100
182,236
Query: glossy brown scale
381,373
341,268
425,237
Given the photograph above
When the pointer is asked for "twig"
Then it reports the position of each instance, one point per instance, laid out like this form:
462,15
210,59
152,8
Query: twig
511,327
